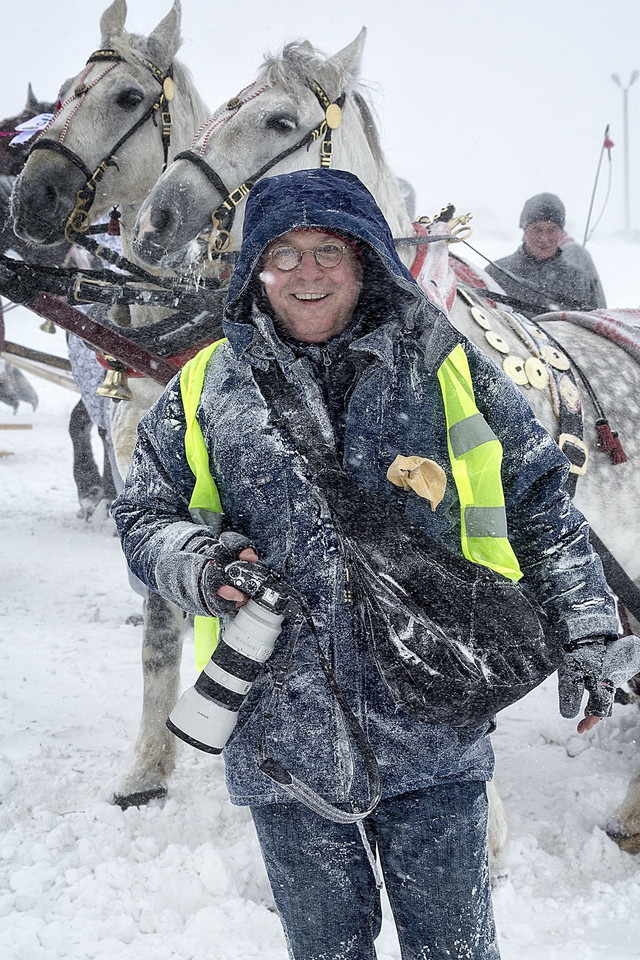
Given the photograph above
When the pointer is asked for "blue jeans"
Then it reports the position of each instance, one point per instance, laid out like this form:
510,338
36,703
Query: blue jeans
432,845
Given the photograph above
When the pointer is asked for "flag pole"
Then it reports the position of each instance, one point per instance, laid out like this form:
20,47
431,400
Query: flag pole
607,144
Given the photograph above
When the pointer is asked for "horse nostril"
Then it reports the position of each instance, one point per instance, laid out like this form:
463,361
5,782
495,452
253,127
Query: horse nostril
162,217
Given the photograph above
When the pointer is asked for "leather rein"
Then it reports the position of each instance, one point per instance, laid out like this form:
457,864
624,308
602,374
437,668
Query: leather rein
223,217
78,222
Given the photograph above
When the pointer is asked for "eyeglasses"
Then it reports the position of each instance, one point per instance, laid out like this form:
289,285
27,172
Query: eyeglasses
326,255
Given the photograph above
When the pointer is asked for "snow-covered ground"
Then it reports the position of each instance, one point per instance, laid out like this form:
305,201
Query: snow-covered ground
183,879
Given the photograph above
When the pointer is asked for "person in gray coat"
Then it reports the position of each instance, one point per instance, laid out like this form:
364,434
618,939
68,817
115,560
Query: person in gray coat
320,304
549,271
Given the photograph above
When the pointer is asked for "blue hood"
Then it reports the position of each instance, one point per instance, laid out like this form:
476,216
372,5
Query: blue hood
334,200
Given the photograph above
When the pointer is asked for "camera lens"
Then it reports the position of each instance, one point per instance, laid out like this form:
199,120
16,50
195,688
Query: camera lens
206,713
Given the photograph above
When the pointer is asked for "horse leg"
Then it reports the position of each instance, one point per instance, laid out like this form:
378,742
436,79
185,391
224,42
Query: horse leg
498,832
155,749
108,482
624,827
85,471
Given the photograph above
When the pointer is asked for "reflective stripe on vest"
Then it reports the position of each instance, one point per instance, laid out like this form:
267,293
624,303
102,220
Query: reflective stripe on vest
474,450
204,506
476,457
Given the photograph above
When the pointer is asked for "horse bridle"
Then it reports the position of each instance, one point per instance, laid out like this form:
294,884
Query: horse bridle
78,221
223,217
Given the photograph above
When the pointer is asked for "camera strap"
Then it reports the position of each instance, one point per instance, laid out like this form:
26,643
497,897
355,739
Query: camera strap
276,772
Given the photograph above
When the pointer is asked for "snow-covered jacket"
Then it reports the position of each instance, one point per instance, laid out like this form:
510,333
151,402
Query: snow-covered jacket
577,255
554,283
374,392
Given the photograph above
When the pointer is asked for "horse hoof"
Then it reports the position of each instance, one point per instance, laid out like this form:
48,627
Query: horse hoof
629,843
140,799
89,501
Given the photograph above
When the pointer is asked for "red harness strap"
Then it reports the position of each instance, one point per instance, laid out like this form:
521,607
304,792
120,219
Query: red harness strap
421,251
177,360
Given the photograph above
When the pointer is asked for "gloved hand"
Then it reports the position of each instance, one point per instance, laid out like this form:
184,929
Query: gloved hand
582,669
229,547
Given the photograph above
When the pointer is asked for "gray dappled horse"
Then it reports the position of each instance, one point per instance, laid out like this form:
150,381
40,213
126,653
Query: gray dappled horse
123,97
306,110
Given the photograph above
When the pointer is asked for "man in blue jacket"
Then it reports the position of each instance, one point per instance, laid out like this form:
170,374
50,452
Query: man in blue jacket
320,298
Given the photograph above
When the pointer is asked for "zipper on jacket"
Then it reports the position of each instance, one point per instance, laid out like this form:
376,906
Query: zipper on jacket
326,357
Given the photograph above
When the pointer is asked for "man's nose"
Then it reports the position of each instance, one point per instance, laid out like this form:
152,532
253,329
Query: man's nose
308,267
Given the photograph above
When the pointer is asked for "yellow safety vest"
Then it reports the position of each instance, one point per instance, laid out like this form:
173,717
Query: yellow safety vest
474,451
476,458
205,499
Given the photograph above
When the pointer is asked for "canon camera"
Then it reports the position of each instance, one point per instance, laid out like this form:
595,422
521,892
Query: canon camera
206,713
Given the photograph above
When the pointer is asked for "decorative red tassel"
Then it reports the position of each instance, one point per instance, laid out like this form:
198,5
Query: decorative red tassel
617,454
609,442
605,437
113,229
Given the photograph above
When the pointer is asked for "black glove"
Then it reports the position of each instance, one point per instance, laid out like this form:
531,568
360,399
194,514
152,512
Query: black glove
582,669
229,547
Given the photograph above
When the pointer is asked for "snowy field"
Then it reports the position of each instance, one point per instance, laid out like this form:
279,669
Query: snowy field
183,879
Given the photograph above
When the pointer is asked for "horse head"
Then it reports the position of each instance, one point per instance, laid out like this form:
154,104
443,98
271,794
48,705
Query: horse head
116,124
13,157
303,110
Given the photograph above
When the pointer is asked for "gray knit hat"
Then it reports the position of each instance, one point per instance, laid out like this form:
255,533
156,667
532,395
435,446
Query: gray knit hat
544,206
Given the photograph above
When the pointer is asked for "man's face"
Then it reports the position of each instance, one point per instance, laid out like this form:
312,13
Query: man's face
313,303
542,239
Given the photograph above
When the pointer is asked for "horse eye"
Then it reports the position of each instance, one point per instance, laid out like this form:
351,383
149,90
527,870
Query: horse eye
281,123
129,99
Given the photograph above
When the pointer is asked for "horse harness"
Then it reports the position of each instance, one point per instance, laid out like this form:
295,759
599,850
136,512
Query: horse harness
78,222
223,217
549,365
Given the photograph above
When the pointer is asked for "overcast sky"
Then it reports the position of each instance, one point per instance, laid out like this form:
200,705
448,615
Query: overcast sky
481,102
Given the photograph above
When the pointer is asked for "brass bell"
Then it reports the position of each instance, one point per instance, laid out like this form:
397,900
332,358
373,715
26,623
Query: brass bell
114,385
48,326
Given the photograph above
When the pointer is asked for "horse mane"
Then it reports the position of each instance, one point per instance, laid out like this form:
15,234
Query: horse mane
365,108
299,60
132,46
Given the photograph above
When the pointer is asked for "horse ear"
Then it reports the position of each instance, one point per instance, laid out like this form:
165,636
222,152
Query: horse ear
112,21
165,40
348,59
32,104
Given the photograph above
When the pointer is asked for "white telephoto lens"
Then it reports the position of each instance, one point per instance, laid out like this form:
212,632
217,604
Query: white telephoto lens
201,722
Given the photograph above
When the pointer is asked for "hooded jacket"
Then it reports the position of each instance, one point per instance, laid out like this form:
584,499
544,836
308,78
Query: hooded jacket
374,393
552,284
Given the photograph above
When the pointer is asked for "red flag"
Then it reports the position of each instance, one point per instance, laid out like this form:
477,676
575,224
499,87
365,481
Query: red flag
608,142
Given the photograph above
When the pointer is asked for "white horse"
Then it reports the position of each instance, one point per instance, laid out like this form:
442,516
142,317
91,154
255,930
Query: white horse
306,110
104,106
